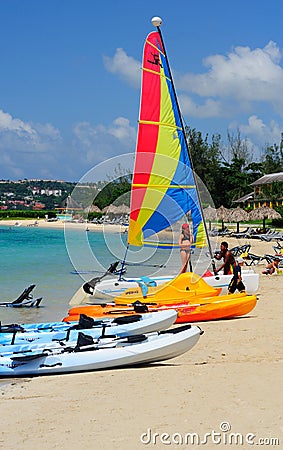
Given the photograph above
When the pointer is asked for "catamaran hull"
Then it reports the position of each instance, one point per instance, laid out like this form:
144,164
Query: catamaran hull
107,290
250,280
157,347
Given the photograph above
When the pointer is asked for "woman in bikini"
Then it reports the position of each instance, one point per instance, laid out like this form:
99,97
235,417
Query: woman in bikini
185,242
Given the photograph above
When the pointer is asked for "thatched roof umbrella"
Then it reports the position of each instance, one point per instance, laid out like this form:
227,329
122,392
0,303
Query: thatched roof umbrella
123,209
71,203
110,209
92,208
238,215
264,212
222,214
209,214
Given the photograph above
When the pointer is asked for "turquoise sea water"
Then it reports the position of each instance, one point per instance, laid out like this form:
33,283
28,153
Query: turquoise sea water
47,257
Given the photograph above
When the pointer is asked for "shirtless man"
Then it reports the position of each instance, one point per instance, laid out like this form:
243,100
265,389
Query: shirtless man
229,260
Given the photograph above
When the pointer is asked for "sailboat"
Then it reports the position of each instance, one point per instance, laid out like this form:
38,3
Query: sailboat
164,188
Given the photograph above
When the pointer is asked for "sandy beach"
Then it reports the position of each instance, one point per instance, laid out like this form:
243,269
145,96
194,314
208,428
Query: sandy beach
230,382
60,224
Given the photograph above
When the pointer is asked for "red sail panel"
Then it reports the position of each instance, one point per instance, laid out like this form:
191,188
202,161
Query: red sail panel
148,121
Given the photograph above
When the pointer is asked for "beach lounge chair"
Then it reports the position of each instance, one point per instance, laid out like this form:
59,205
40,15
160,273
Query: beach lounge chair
251,259
225,232
240,249
24,300
278,248
248,232
271,258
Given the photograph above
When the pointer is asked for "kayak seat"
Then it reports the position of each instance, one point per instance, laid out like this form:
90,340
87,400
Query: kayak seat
140,307
86,322
176,330
136,338
127,319
83,341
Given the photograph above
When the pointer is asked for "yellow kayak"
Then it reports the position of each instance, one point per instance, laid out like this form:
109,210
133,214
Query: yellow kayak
186,287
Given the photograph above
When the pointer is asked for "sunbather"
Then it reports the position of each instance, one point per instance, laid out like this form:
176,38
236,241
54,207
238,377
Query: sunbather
271,267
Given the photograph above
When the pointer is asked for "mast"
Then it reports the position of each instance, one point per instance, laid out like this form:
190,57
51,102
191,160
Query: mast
156,22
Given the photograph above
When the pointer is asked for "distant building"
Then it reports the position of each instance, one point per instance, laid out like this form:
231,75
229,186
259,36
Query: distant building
268,191
48,192
38,206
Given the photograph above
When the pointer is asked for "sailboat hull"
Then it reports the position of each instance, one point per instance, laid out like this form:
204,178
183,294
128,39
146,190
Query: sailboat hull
107,290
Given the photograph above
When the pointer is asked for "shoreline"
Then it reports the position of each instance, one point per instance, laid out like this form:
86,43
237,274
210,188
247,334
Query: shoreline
59,224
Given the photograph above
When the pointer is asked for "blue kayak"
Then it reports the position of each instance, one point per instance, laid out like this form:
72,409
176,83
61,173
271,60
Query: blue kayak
118,326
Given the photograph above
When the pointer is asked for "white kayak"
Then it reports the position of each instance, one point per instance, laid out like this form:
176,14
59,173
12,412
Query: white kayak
103,354
119,326
106,290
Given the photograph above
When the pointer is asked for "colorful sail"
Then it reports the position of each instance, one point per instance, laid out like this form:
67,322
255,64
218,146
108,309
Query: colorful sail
163,187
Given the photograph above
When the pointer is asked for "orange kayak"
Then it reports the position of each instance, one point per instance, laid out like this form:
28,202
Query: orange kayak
186,287
221,307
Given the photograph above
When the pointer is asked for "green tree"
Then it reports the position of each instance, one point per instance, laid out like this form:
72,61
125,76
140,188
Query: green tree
205,159
272,159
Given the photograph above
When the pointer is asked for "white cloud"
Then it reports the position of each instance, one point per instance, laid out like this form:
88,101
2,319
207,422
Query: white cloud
122,131
260,132
125,66
102,141
244,75
23,136
27,148
16,126
209,108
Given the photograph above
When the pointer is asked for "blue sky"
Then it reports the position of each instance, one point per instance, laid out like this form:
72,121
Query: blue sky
70,77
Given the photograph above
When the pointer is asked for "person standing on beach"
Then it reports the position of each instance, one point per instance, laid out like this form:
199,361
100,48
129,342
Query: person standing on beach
229,260
185,241
236,282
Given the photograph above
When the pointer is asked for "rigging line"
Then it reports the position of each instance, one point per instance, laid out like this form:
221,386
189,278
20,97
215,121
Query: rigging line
186,143
123,264
145,265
